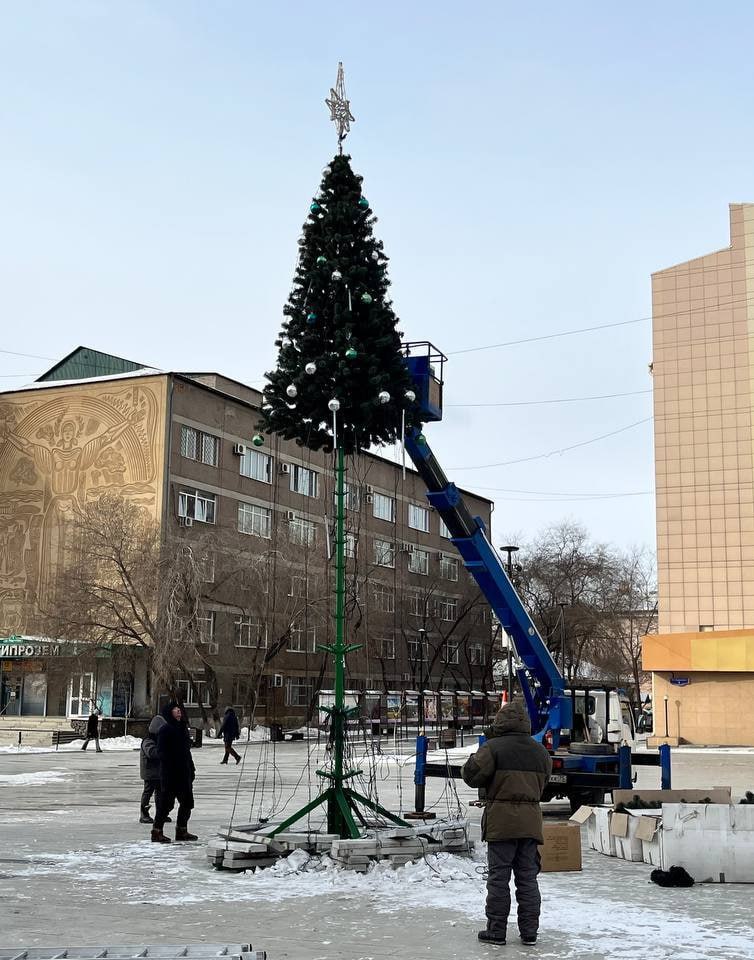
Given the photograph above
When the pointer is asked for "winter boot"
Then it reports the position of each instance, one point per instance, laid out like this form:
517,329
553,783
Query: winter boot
182,834
159,837
145,818
529,939
486,936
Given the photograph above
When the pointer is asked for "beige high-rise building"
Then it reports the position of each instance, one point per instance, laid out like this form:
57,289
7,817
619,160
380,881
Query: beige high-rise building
703,366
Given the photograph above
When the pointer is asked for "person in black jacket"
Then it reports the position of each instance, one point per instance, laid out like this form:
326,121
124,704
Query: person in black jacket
230,731
149,768
92,731
177,774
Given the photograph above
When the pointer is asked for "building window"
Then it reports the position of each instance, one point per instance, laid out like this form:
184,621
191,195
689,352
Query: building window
304,481
243,692
446,608
417,604
387,648
444,532
383,507
383,597
706,628
299,691
450,652
418,651
250,632
81,695
301,532
192,694
418,517
254,520
197,505
384,553
302,639
350,546
418,562
256,465
205,623
448,567
351,497
199,446
299,587
477,655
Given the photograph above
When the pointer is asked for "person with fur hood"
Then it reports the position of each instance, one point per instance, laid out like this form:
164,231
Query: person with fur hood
149,768
177,773
513,770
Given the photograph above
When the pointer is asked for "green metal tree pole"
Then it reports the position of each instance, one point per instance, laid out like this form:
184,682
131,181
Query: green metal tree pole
335,803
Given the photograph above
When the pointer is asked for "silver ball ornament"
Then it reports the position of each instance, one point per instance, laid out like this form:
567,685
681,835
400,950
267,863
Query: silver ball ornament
337,275
310,368
291,390
333,405
286,342
410,396
383,396
375,255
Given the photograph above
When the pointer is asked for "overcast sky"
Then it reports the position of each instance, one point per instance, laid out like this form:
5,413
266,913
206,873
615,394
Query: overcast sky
530,164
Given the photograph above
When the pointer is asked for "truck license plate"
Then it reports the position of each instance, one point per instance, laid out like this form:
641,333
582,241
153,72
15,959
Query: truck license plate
558,778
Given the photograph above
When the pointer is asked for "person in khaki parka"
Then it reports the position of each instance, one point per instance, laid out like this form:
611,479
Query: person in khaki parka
513,770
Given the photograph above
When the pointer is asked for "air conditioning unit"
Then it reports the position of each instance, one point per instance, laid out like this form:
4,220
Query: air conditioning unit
285,468
369,488
239,449
407,547
185,522
277,679
290,515
369,498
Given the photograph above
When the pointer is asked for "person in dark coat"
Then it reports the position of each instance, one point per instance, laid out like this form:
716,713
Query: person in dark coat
177,774
92,731
230,730
149,768
513,769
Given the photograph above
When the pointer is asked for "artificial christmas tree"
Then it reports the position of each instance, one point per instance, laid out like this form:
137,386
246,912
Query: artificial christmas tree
340,383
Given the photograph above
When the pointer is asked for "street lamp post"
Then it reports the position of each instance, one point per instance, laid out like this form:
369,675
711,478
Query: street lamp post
562,606
666,698
509,550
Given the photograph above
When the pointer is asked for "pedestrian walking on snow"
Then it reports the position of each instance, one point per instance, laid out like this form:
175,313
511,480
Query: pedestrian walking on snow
92,731
177,774
230,731
149,768
513,769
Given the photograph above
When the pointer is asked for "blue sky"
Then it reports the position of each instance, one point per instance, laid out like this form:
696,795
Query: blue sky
530,164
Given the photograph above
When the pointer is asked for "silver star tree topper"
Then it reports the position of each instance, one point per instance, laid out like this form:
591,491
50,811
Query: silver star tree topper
340,108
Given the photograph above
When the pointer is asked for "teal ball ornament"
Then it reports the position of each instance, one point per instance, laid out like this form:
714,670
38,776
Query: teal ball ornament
363,203
366,298
351,353
311,318
315,207
257,440
321,261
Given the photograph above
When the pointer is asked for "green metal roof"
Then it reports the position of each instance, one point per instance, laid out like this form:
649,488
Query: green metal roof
84,363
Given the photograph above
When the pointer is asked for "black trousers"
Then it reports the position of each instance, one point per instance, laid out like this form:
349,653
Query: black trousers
520,857
151,787
166,798
229,752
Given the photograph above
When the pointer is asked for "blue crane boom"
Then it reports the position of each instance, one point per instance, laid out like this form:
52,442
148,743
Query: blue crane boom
542,683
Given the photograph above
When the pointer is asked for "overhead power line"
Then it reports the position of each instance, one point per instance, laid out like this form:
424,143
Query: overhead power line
547,336
557,451
532,403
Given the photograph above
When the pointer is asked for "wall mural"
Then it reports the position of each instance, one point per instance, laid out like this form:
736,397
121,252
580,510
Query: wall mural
61,448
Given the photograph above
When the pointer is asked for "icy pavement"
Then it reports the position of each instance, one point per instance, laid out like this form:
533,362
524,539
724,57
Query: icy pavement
76,867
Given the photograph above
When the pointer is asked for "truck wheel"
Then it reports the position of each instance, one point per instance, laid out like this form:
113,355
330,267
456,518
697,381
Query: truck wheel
592,749
589,798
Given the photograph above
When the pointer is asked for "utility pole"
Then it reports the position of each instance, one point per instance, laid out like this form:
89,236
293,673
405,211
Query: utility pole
510,549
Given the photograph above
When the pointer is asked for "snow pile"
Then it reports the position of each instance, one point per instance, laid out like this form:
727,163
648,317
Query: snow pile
32,779
107,743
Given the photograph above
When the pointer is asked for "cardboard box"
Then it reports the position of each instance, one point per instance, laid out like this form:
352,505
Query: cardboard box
713,842
625,828
649,832
561,851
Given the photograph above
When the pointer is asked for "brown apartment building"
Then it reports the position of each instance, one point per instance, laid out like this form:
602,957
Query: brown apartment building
258,521
703,370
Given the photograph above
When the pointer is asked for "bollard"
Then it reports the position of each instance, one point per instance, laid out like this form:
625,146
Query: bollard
420,778
665,766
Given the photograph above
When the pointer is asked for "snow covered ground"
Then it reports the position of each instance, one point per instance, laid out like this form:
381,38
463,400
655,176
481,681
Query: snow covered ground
76,867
